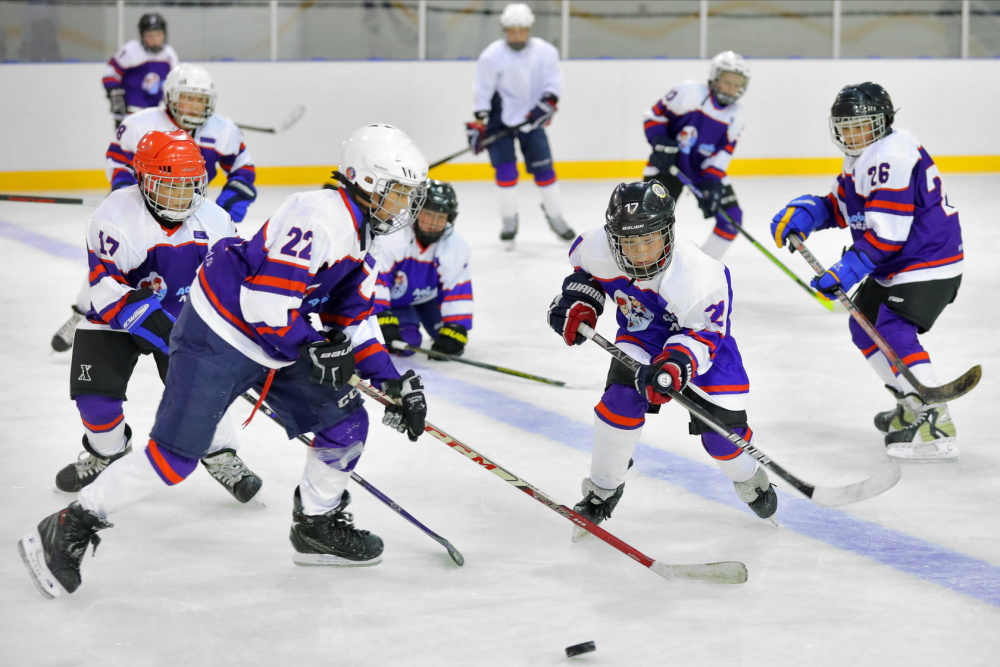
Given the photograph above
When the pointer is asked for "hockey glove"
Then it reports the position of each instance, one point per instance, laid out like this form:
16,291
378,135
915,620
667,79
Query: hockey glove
116,97
409,414
845,274
332,359
476,132
803,215
235,198
389,323
664,155
669,370
542,113
451,340
144,317
711,196
581,300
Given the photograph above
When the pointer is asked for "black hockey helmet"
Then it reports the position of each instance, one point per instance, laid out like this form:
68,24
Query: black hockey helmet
864,107
441,198
640,226
151,22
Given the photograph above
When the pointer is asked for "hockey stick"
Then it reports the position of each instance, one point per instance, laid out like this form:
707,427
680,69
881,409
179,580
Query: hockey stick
942,394
826,303
35,199
831,496
401,345
388,502
727,572
292,119
486,142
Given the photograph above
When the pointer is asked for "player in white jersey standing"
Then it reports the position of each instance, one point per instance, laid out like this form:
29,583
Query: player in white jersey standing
144,245
134,77
191,100
516,91
424,279
247,325
695,127
673,306
907,256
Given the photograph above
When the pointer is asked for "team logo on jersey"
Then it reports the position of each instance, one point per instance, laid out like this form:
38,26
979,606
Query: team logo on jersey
151,83
400,283
706,149
636,314
857,221
85,373
155,282
687,137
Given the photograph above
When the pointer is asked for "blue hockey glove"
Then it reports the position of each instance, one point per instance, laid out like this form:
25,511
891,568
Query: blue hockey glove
451,339
848,272
144,317
802,216
711,195
542,113
235,198
664,155
409,414
670,369
581,300
332,359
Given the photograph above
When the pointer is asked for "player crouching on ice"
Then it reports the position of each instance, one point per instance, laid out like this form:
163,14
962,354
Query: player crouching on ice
247,325
673,305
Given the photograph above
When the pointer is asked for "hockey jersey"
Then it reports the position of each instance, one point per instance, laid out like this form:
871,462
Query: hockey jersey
410,275
893,199
520,78
140,73
705,131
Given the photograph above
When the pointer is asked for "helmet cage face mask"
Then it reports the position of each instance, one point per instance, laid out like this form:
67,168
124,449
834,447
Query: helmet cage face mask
395,205
853,134
189,83
640,228
173,198
626,247
731,62
425,237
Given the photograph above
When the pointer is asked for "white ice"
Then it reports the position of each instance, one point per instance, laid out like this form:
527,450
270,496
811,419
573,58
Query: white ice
190,577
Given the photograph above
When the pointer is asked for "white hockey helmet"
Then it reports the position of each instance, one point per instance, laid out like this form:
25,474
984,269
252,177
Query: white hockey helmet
517,15
192,81
728,61
384,162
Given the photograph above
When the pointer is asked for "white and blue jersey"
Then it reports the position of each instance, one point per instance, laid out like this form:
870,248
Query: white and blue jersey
140,73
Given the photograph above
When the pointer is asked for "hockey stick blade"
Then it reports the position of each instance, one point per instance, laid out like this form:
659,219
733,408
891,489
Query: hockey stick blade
38,199
880,482
290,120
726,572
402,345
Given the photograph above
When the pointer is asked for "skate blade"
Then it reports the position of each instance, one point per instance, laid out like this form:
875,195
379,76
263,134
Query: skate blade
931,452
330,560
33,555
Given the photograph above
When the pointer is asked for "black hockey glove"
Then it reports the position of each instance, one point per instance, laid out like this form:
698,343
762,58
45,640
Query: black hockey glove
409,414
332,359
116,96
451,340
144,318
664,155
711,195
581,300
389,323
670,369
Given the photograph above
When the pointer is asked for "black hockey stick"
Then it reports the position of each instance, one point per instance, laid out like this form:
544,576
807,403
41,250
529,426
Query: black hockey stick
826,303
942,394
727,572
507,131
388,502
292,119
37,199
833,496
401,345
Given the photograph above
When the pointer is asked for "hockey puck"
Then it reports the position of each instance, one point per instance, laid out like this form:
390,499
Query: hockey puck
579,649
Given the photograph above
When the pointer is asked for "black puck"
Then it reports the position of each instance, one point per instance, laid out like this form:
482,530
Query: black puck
579,649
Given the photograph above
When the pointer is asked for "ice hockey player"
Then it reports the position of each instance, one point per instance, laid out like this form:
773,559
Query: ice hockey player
673,304
516,92
424,279
695,127
190,106
133,79
907,256
144,245
247,325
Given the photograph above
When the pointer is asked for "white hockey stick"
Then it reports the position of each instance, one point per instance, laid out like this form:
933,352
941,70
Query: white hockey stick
292,119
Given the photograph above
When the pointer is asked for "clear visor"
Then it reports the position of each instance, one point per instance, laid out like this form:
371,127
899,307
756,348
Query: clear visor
395,205
853,134
642,257
191,108
173,198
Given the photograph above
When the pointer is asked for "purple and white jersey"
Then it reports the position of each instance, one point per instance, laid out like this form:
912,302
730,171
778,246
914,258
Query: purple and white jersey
410,275
127,250
519,77
685,308
705,131
893,199
219,139
308,258
140,73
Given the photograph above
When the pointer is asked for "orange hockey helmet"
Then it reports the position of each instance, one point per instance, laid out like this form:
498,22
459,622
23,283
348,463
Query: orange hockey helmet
171,174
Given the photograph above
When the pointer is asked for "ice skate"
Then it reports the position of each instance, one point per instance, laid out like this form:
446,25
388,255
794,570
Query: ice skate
759,494
63,339
229,470
331,538
930,438
508,231
597,505
53,552
559,226
89,465
897,418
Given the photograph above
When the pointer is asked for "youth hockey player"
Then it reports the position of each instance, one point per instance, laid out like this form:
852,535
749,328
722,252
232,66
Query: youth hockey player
424,279
133,79
144,245
907,256
247,325
517,85
673,305
695,128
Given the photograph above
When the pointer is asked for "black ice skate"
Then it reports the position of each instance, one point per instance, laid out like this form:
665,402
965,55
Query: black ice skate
898,418
331,538
63,339
759,494
597,505
229,470
508,231
89,465
52,553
